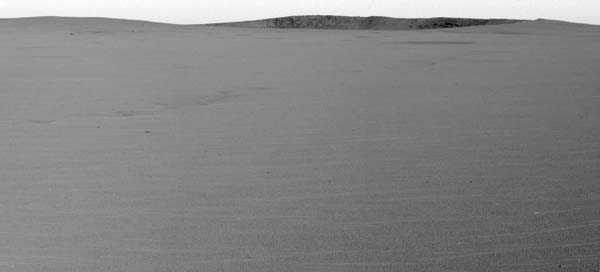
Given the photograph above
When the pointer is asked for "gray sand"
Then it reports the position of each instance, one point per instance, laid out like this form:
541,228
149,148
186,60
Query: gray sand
129,146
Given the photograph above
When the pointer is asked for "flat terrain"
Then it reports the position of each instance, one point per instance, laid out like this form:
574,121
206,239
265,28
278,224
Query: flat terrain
132,146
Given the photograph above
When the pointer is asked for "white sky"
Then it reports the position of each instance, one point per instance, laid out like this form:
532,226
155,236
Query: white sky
206,11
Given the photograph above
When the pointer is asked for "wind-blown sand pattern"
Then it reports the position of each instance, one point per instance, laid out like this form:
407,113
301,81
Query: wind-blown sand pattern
134,146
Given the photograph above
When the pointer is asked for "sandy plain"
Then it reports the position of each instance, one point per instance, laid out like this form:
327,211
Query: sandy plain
132,146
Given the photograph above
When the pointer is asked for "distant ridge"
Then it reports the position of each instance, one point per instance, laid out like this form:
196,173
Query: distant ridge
76,21
95,24
373,22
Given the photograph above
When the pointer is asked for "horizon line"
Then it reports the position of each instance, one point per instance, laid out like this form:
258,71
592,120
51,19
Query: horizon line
267,18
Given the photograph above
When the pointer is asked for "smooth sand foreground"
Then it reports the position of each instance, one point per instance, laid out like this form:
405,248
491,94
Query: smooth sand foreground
127,146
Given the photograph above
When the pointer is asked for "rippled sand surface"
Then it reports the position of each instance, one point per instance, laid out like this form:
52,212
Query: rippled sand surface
130,146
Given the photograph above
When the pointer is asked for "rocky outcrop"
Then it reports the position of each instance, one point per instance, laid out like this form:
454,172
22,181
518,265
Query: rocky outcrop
374,22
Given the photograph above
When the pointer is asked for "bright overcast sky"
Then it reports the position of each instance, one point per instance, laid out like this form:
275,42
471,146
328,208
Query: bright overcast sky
205,11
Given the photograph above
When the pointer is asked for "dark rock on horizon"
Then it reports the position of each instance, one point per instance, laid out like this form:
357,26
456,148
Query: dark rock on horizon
373,22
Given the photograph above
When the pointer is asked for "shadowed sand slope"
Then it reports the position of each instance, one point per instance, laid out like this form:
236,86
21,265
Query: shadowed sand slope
131,146
376,23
